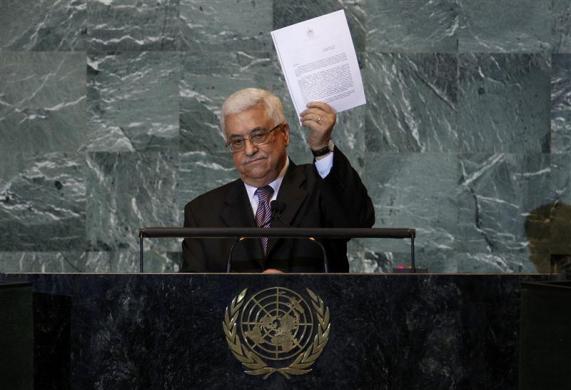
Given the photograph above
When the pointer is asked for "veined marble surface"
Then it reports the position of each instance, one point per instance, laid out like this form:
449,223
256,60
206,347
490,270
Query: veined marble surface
412,102
493,216
43,25
42,202
503,103
561,103
127,191
562,26
225,26
42,101
132,25
416,26
133,101
414,190
505,26
109,122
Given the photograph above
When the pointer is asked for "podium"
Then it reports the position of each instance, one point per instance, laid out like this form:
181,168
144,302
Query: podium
169,331
545,336
16,336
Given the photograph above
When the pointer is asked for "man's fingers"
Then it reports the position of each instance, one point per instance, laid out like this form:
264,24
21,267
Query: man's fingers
321,106
314,118
319,113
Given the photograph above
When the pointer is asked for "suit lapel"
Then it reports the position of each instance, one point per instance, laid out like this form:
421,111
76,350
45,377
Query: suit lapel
237,212
292,195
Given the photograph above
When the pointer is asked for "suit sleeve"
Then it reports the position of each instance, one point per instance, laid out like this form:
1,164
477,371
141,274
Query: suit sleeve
345,201
193,257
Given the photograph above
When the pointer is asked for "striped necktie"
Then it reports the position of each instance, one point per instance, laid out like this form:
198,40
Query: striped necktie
264,213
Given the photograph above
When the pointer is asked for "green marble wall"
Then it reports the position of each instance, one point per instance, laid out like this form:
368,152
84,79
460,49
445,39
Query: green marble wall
108,122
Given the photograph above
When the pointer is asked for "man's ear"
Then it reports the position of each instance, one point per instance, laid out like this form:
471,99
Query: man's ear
286,133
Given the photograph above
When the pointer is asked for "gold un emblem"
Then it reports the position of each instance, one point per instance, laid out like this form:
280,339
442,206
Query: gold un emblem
276,330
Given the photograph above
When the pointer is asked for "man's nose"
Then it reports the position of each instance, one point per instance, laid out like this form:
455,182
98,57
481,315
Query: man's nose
249,148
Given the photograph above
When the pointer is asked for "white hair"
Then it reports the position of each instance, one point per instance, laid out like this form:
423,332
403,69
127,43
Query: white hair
247,98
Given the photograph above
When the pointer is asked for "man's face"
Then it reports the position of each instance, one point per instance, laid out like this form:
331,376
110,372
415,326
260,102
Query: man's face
258,165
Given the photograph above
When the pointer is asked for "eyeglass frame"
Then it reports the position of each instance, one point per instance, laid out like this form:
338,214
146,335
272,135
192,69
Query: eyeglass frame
264,134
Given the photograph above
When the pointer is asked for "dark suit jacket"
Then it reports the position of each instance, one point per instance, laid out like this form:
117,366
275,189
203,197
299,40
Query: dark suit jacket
339,200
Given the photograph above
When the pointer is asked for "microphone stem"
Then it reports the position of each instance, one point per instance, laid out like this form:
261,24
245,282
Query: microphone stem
325,261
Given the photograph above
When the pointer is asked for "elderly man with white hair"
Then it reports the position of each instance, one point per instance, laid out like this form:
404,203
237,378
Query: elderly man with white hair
327,193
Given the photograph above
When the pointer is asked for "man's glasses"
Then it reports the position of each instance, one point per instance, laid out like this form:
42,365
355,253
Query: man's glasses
256,137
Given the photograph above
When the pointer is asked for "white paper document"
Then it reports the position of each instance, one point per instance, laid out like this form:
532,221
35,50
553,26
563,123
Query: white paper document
319,63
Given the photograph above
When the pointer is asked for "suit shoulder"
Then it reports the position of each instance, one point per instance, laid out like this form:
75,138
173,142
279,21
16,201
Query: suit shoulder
213,197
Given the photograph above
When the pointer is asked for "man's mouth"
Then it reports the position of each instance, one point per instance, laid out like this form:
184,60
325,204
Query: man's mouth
254,160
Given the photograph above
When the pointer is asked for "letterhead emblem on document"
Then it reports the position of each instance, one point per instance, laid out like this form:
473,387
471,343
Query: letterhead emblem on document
276,330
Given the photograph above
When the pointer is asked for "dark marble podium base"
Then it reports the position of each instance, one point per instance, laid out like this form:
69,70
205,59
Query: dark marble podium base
16,336
164,331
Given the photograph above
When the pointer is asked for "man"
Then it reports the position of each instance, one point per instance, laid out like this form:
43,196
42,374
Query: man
327,193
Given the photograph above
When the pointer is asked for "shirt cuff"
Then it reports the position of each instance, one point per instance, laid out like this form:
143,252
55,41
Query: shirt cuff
324,165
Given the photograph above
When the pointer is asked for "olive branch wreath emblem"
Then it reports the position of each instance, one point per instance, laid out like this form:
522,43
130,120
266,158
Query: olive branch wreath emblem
253,363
